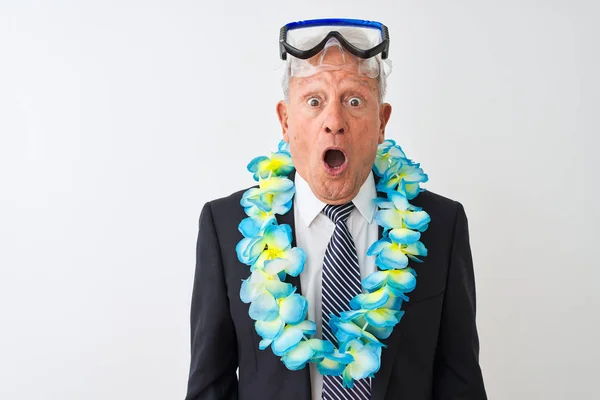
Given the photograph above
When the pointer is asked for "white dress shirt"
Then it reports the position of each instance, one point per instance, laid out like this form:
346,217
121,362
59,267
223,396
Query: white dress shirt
313,231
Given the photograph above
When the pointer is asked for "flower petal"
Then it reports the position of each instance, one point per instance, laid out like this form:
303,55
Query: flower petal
383,202
329,366
348,328
292,263
388,182
402,280
297,357
264,201
396,151
404,236
389,218
276,184
269,329
417,249
249,227
283,146
282,208
347,380
375,281
292,309
416,219
321,346
382,317
343,357
307,327
380,333
279,289
253,166
250,290
394,302
413,189
354,316
391,258
378,246
296,258
264,308
247,251
366,363
278,237
275,266
252,192
399,200
370,301
281,198
289,338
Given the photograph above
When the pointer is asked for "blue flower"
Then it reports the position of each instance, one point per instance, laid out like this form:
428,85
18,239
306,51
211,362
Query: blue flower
379,322
353,361
283,146
398,213
334,363
398,281
275,243
389,254
273,194
388,154
279,164
395,170
392,255
289,337
312,350
258,220
370,301
259,283
267,307
292,263
345,330
367,361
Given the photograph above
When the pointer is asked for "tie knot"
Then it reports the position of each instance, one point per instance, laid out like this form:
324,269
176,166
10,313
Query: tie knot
338,213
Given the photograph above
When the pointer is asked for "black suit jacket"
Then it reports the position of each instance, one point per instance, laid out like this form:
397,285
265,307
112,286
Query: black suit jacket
431,354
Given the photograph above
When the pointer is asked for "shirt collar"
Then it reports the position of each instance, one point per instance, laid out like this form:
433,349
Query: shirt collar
309,206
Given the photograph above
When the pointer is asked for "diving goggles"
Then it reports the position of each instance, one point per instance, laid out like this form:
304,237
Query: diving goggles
305,39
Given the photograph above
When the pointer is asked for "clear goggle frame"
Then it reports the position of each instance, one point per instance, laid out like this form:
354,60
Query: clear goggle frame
308,45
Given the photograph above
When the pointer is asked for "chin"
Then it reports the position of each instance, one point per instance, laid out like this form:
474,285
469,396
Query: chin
338,187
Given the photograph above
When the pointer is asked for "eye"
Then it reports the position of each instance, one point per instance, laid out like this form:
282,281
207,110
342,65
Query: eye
355,102
314,102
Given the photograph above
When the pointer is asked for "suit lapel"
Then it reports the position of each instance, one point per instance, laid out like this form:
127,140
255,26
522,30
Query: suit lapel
288,218
382,377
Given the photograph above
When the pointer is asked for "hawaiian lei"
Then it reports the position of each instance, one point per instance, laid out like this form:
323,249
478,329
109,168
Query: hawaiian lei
281,313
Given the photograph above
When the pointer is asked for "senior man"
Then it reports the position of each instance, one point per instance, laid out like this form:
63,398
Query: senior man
306,285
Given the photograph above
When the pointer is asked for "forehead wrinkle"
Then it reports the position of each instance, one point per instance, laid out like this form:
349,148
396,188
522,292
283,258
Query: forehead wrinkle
319,78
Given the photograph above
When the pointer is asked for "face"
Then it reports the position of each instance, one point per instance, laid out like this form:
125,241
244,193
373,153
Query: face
333,121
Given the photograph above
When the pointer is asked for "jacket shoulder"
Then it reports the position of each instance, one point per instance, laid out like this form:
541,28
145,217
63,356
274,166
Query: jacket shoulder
431,199
234,197
228,208
441,209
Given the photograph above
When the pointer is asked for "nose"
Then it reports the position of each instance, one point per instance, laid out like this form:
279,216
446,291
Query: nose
335,122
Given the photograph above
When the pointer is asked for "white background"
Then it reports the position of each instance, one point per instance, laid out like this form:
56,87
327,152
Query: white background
120,119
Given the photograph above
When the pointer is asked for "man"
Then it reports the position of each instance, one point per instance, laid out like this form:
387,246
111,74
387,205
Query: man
333,118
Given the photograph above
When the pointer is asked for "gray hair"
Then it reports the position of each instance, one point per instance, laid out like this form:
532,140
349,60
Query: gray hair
354,36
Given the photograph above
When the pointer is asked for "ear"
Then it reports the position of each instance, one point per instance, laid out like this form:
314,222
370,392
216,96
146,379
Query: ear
385,111
283,119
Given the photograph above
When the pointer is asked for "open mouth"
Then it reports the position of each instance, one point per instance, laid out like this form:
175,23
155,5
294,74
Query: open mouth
335,161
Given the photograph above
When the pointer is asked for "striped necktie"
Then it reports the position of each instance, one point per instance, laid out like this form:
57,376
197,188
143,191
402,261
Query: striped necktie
341,282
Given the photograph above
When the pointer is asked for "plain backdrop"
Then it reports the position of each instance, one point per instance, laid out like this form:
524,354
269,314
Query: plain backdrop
120,119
